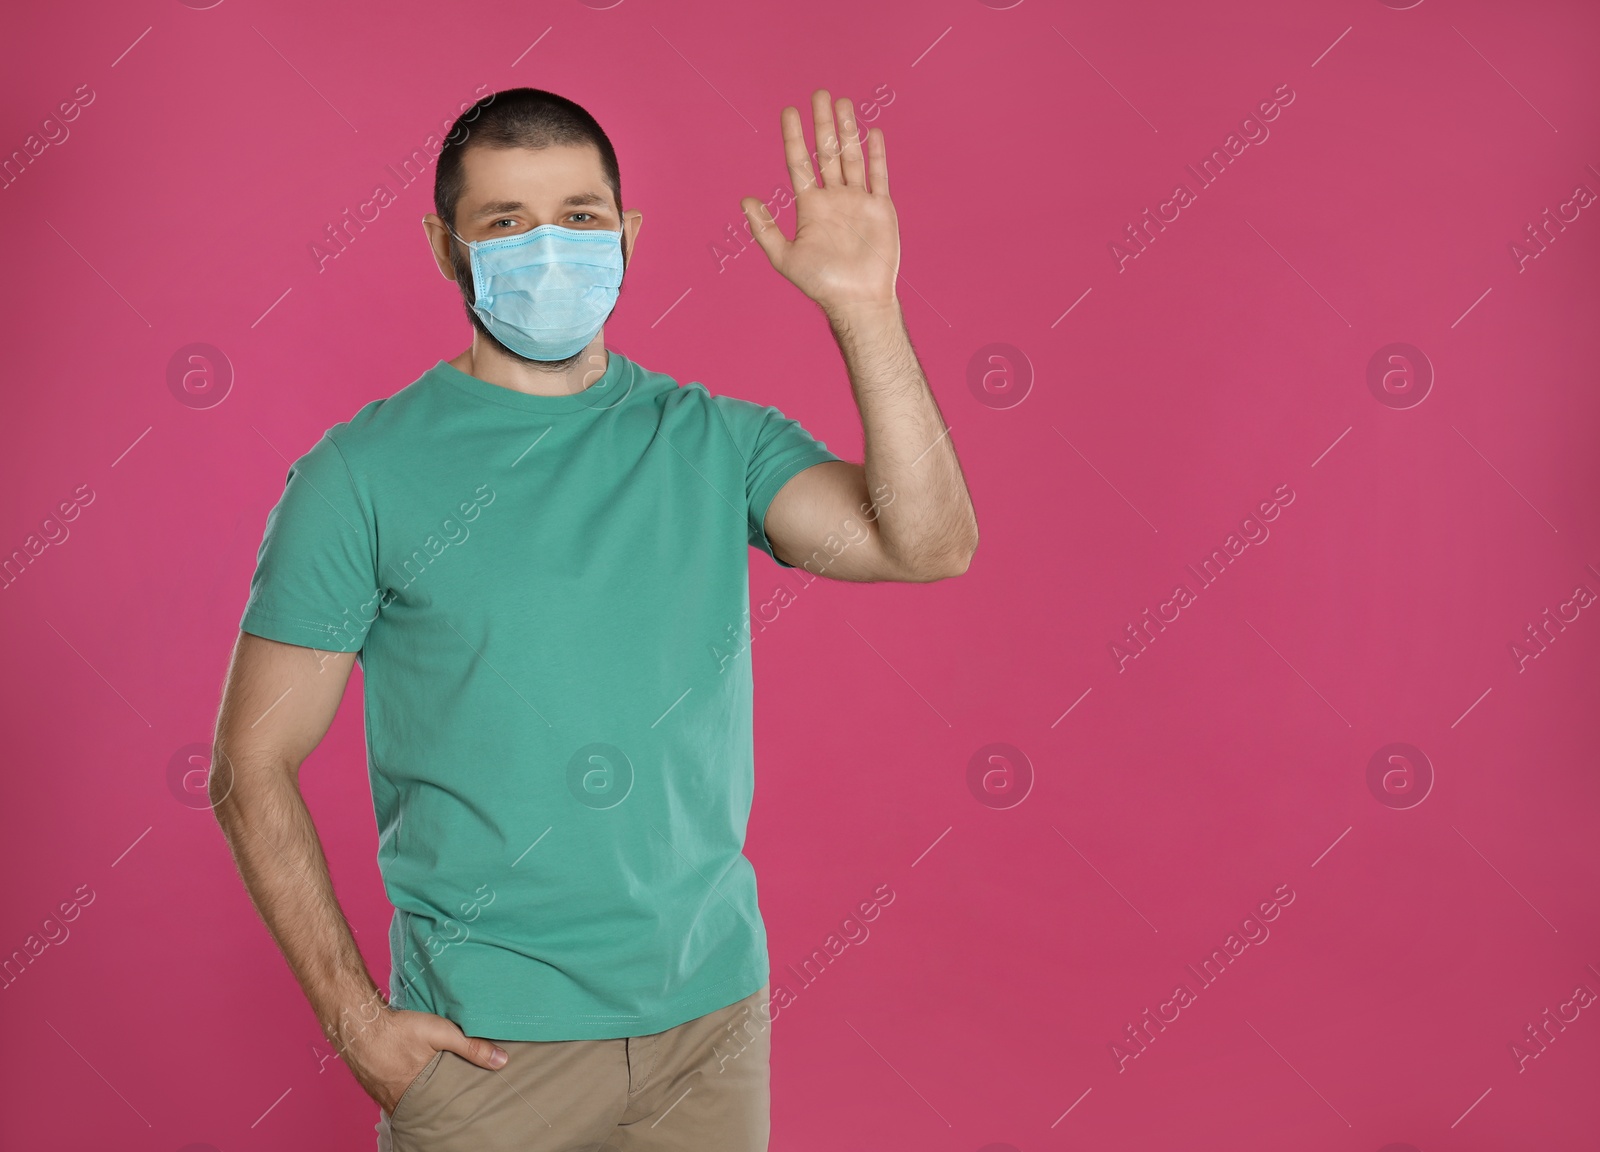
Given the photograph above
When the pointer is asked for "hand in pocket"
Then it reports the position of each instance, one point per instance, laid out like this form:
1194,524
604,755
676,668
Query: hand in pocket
391,1052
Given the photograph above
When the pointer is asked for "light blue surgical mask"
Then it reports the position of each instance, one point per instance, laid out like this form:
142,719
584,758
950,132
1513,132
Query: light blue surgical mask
544,293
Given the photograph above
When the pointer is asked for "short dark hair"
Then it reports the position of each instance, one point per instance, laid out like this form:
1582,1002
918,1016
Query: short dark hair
518,118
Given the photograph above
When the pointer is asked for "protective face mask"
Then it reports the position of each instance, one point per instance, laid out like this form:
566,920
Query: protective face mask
544,293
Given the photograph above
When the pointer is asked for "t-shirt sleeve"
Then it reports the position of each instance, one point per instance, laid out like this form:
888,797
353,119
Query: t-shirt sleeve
315,582
775,448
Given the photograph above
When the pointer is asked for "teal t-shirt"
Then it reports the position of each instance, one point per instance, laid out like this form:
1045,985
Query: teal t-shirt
549,596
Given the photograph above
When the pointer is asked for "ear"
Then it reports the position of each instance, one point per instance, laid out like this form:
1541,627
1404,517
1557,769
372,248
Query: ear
632,220
439,242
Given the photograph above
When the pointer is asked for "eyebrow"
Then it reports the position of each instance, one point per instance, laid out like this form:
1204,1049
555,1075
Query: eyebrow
580,200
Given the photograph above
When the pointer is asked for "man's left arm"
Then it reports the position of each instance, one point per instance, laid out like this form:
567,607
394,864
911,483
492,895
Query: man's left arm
904,513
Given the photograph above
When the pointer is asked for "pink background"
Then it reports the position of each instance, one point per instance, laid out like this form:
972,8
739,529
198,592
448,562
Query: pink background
1167,401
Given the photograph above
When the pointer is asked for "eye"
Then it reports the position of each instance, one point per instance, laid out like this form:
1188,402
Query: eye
590,215
503,220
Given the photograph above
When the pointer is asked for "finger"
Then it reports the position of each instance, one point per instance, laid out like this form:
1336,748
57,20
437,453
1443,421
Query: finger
877,163
765,229
828,172
794,151
854,173
475,1050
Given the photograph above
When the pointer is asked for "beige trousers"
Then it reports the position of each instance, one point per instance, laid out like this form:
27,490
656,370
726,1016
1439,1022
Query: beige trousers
699,1087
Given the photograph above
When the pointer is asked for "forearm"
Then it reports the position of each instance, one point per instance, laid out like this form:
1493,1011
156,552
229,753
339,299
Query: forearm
279,856
924,516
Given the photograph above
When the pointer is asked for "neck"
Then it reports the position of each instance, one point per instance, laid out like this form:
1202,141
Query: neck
489,363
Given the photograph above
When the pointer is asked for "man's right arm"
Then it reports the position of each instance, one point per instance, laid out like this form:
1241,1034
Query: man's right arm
277,704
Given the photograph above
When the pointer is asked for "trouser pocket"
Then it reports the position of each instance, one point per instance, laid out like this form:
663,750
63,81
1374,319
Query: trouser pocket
419,1082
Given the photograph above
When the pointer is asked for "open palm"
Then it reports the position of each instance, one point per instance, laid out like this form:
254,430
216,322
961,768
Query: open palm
846,246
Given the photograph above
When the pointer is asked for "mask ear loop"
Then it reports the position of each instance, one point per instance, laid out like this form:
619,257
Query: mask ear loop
472,271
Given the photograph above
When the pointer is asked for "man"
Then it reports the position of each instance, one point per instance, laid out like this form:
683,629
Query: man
538,552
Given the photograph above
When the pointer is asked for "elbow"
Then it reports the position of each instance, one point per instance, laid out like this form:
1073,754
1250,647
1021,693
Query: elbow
218,785
236,784
945,565
960,557
947,569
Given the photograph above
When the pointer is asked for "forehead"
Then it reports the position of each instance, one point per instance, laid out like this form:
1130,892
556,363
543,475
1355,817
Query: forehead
543,179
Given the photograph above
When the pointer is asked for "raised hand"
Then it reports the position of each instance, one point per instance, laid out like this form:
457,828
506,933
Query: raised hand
846,248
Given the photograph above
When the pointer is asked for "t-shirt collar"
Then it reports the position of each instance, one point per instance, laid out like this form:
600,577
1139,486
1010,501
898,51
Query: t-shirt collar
607,392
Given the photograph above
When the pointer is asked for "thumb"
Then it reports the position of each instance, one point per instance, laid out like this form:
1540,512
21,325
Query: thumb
765,229
474,1049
